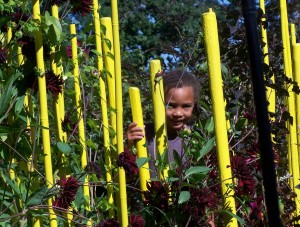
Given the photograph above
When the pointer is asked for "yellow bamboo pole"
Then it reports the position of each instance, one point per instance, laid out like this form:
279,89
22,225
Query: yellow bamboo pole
158,98
59,104
10,118
108,54
296,70
36,222
292,137
79,110
59,115
43,107
270,92
216,88
119,108
137,116
103,103
293,34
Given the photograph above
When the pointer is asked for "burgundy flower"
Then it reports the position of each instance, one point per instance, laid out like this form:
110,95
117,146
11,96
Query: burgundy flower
84,50
109,223
3,55
19,16
69,51
93,167
16,17
69,125
68,188
54,83
256,208
157,195
127,160
28,47
201,199
82,7
136,221
245,181
250,116
253,156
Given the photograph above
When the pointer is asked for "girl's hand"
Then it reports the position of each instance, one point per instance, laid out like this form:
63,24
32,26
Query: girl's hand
134,133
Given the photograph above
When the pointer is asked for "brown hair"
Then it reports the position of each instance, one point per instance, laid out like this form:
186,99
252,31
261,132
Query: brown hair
179,78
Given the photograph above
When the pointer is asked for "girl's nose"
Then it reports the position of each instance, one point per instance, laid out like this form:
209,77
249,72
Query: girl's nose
178,112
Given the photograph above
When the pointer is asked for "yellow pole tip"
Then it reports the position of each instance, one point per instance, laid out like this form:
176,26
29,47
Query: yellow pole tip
105,18
210,10
133,88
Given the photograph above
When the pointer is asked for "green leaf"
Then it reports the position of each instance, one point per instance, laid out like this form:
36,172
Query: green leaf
37,196
142,161
91,144
19,104
177,158
8,94
64,147
206,148
55,29
107,42
240,220
209,126
184,197
12,183
196,170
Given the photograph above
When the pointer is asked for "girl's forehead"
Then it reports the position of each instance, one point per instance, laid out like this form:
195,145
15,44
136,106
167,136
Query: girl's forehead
184,89
181,93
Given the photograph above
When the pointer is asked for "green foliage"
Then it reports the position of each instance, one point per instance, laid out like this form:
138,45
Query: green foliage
167,30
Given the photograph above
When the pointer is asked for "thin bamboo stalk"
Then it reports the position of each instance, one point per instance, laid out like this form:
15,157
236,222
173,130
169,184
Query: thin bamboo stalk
216,88
59,102
293,34
296,161
270,92
43,108
119,108
108,56
292,137
103,103
158,98
28,105
79,110
10,117
137,116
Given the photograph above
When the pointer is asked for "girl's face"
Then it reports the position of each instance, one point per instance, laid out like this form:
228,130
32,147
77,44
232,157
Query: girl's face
179,108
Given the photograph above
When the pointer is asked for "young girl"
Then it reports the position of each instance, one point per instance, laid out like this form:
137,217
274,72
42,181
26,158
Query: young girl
181,93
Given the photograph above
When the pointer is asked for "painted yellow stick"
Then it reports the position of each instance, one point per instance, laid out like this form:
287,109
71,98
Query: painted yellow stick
215,78
59,106
59,103
292,137
108,55
293,34
103,103
158,98
10,118
60,115
270,92
119,108
296,70
137,116
36,222
43,107
79,110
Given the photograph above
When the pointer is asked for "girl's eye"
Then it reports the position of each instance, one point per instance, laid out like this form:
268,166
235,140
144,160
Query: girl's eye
187,107
169,107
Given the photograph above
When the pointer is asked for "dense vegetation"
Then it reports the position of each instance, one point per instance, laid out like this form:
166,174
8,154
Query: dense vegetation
149,29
